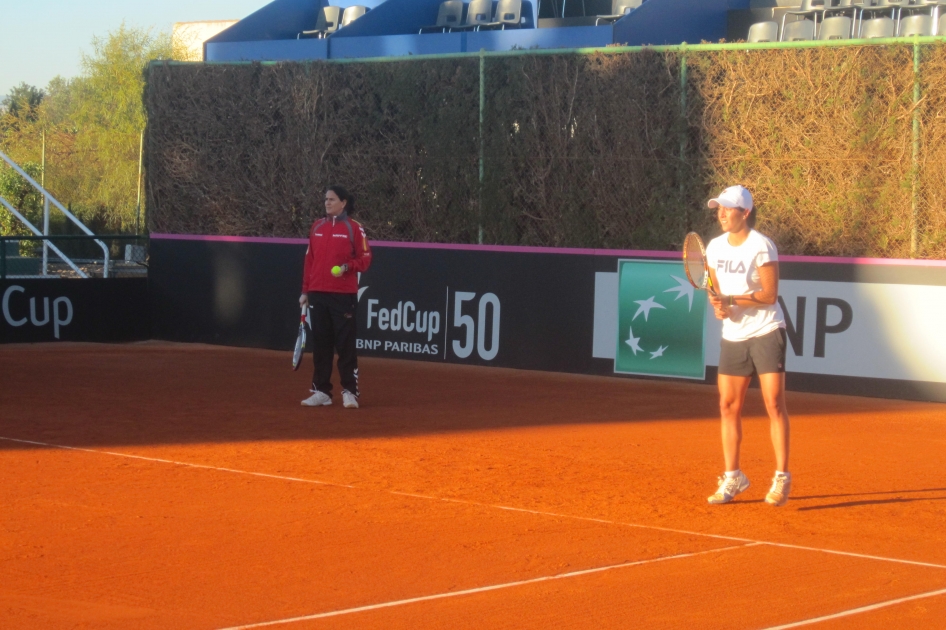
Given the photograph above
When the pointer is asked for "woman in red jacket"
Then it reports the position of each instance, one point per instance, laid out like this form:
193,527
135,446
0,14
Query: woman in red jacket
338,252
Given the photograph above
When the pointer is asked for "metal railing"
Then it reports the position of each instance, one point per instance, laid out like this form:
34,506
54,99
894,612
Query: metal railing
78,253
47,198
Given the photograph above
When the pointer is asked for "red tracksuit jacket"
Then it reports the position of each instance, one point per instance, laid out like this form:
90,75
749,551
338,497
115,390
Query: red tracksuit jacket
331,243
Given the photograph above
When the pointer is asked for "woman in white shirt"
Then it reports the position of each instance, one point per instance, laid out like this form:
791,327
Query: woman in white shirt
743,265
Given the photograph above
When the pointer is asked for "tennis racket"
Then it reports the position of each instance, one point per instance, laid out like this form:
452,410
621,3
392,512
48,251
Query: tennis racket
300,343
694,263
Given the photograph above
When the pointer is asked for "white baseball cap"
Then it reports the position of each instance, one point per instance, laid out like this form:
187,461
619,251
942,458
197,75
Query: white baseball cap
732,197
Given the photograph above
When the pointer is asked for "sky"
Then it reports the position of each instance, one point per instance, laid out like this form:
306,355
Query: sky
40,39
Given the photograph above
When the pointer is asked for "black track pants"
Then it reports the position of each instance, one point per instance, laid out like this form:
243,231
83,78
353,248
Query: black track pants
334,329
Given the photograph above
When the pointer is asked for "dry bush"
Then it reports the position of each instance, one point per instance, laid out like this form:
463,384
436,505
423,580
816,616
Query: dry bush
249,149
820,135
584,151
931,206
578,150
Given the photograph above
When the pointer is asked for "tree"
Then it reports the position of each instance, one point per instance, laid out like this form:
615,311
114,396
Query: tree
22,196
92,126
23,102
113,79
59,102
110,117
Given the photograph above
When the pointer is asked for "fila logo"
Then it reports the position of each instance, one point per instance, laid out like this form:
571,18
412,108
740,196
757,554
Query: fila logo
731,266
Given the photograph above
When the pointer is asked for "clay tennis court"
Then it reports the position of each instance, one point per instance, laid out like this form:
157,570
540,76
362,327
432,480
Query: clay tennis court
160,485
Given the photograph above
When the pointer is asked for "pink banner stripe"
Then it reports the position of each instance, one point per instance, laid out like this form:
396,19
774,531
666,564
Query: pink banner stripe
902,262
409,245
230,239
518,249
637,253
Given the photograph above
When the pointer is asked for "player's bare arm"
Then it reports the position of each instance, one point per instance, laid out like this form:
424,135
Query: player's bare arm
768,295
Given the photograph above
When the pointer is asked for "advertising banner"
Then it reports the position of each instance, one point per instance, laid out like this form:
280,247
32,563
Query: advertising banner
864,329
834,328
100,310
502,309
422,303
853,327
659,334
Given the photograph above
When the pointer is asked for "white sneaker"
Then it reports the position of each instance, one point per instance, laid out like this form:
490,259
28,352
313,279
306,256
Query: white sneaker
349,400
317,399
781,487
729,487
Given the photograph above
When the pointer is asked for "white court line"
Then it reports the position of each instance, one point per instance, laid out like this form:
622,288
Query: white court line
490,506
482,589
683,531
170,461
855,611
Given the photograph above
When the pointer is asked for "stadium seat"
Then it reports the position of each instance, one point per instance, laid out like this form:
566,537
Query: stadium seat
619,8
798,31
882,6
835,27
478,12
761,32
921,25
935,11
327,23
877,27
352,13
449,15
508,13
808,7
856,7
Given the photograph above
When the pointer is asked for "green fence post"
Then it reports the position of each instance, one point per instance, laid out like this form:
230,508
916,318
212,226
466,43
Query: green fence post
683,134
482,107
915,230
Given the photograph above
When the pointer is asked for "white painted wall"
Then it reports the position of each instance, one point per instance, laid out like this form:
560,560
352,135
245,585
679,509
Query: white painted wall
189,37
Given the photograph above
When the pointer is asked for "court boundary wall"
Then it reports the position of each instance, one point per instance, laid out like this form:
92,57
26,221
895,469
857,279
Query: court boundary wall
104,310
551,309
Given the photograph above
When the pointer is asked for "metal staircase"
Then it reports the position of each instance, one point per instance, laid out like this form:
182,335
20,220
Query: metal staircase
44,233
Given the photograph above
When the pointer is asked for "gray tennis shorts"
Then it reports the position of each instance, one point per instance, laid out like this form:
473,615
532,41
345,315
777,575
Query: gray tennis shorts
759,355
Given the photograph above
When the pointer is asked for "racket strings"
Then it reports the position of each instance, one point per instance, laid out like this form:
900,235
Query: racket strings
695,261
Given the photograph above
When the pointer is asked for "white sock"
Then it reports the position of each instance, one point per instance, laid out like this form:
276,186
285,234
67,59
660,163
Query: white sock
786,474
732,473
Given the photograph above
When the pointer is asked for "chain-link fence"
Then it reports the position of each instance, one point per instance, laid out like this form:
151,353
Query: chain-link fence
248,150
73,256
619,148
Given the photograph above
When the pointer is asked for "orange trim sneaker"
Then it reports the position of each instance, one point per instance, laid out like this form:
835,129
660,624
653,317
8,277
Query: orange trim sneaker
781,487
729,487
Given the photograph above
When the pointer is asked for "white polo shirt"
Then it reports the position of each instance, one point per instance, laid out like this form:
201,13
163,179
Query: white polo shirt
737,271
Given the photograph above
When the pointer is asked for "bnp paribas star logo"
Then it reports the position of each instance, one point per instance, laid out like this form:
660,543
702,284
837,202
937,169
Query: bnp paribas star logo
661,320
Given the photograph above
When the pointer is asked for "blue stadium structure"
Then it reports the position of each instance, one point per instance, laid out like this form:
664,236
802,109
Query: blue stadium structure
286,30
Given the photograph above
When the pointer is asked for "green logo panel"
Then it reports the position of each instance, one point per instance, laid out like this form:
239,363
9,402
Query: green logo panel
661,320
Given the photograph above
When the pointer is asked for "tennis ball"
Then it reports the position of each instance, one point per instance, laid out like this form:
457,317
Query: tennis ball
336,271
